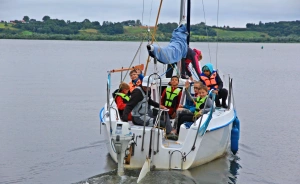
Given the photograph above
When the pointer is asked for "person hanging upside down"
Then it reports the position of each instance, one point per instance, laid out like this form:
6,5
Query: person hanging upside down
175,50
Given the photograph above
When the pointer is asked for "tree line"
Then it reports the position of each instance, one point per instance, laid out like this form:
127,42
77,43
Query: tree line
56,26
282,28
70,30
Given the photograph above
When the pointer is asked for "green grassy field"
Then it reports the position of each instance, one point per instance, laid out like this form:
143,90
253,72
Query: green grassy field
26,33
89,31
240,34
9,26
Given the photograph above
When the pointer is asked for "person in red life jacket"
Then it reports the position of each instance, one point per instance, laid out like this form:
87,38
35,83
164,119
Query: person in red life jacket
171,96
212,80
193,56
121,98
136,79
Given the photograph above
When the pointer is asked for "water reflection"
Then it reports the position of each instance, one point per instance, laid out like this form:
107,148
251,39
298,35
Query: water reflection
222,170
233,169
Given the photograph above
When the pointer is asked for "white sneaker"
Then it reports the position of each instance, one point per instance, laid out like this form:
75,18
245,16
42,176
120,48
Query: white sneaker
150,47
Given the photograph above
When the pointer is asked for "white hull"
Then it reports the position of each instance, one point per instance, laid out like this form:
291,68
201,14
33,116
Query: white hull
212,145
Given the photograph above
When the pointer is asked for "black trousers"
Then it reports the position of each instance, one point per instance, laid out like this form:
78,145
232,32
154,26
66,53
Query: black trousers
222,94
169,73
184,118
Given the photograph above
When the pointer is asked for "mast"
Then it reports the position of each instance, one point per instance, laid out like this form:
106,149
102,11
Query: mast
188,20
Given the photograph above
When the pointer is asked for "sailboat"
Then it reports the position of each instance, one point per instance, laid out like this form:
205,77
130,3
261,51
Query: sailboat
147,148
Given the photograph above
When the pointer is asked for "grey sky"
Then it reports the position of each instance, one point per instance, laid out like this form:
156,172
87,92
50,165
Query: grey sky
235,13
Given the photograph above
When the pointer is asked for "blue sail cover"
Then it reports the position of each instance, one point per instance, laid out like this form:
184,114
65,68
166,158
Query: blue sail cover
177,48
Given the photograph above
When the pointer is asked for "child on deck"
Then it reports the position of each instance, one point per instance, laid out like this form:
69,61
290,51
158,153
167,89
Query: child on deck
136,79
198,109
171,96
121,98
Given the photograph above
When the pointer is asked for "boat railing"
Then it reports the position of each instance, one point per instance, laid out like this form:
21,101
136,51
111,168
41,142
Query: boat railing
146,111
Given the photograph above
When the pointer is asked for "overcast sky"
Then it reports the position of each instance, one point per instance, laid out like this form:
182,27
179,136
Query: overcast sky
235,13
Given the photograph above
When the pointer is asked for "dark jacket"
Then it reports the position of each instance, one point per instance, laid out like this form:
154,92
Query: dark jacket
136,97
192,57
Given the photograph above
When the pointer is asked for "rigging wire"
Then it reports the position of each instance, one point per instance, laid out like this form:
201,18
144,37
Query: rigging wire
150,15
217,35
206,31
142,25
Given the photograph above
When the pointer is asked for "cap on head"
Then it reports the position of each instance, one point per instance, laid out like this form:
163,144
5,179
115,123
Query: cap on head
145,81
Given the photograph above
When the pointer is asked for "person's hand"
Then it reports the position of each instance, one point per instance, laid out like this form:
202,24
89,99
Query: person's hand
173,116
198,115
180,106
215,91
162,107
187,84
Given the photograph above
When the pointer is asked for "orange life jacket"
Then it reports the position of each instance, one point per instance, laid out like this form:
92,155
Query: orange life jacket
132,86
210,82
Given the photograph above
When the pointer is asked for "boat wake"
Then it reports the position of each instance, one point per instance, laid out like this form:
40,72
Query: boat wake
131,176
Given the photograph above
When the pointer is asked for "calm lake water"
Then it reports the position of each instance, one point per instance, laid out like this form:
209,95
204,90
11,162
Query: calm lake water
51,93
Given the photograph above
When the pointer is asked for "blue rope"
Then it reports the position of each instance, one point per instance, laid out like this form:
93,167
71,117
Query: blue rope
165,72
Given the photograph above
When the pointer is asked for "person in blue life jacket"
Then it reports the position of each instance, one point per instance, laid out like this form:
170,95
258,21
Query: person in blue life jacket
212,80
181,108
137,106
196,110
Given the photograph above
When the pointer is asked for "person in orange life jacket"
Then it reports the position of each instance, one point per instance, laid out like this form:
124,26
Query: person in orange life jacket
121,98
171,96
136,79
193,56
137,106
212,80
197,109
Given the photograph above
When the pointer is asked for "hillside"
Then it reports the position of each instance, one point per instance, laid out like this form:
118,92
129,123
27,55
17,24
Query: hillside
54,29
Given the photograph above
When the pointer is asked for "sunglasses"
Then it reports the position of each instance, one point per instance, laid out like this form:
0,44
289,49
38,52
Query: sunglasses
196,88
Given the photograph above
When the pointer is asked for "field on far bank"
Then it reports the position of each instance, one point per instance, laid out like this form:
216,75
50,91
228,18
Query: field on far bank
240,34
9,26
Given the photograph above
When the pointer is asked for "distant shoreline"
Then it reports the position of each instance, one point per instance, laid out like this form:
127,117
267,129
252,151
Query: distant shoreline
53,29
77,38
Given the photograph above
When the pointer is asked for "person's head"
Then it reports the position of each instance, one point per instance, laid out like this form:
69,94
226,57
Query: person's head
133,74
197,85
202,91
199,54
174,81
146,86
124,88
207,69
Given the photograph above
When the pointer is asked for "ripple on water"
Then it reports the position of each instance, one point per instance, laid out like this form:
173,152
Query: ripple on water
131,176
